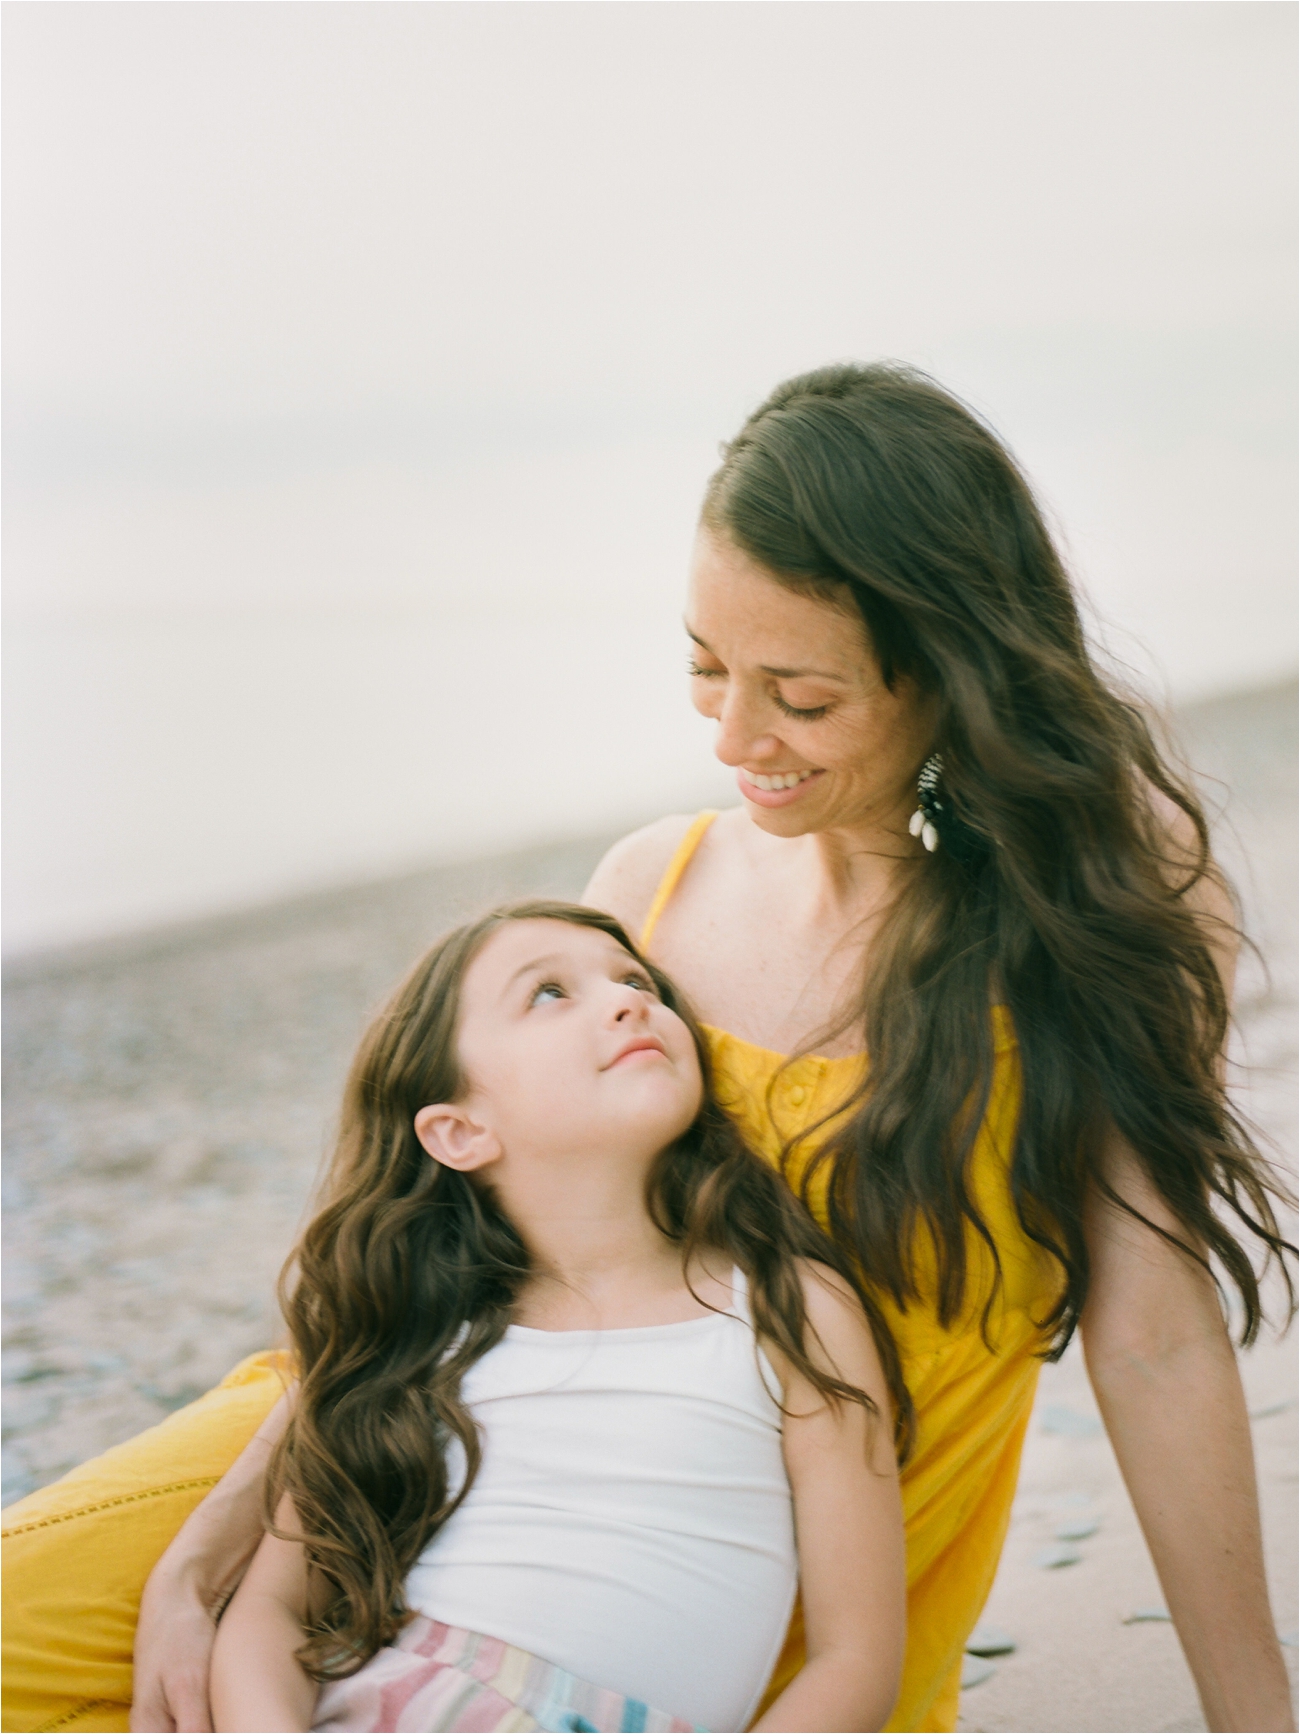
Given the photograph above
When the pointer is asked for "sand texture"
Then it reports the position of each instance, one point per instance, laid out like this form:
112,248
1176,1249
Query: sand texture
168,1100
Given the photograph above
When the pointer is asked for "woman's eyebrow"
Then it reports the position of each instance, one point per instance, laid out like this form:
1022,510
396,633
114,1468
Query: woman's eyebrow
777,673
803,674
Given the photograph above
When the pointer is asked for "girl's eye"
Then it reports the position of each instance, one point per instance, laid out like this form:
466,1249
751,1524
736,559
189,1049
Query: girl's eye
693,667
546,990
636,979
803,715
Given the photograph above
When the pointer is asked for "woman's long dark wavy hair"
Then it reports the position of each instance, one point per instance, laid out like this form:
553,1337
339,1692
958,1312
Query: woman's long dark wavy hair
409,1272
1057,890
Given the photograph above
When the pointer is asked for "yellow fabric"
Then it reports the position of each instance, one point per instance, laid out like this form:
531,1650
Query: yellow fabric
972,1403
676,867
77,1553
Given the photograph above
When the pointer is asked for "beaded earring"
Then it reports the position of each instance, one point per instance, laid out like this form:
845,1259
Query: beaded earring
924,822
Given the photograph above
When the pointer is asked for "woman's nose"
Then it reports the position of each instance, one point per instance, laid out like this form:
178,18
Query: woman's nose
741,740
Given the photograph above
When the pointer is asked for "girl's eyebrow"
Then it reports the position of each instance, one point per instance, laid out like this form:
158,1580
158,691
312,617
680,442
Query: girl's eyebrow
528,969
777,673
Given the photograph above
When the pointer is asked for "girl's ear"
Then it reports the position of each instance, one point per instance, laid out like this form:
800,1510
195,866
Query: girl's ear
455,1138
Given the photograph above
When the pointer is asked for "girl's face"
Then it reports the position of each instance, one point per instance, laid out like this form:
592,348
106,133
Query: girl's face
817,738
569,1051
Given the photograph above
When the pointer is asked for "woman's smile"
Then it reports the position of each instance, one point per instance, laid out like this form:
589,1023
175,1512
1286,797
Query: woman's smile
775,788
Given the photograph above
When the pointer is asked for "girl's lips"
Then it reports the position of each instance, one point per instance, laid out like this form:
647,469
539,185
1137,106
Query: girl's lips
775,797
638,1049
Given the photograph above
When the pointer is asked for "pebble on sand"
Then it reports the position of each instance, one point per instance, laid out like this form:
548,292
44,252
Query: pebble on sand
1060,1553
1140,1616
1077,1529
974,1672
989,1641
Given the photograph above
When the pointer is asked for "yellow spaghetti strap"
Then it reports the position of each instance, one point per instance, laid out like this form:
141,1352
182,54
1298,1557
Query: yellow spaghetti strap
674,870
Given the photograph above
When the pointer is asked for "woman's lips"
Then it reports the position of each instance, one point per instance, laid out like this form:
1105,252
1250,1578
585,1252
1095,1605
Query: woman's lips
775,797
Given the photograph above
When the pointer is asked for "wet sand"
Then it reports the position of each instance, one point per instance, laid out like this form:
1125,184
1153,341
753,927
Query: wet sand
168,1101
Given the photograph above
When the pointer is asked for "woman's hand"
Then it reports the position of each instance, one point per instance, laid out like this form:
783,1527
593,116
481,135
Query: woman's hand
173,1651
189,1586
1166,1379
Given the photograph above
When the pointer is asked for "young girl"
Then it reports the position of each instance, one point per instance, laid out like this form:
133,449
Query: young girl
583,1392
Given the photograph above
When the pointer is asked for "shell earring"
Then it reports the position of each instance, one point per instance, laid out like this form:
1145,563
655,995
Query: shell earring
923,823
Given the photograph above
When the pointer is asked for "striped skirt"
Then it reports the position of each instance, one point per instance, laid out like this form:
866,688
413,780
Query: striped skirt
440,1677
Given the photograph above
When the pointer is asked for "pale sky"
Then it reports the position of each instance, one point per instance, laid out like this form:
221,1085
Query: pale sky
338,309
233,211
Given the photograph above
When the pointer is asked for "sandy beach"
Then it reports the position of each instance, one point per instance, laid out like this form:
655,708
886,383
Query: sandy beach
169,1099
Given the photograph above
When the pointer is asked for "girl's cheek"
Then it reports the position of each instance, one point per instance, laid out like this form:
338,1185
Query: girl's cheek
694,1071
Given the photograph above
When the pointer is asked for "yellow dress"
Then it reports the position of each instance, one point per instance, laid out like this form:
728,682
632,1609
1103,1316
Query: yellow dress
77,1553
972,1402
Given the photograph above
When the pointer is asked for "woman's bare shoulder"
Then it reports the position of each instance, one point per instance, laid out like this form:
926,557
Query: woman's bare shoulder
628,875
1208,896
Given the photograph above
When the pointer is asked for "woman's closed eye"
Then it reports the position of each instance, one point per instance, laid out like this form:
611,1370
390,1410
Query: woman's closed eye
809,715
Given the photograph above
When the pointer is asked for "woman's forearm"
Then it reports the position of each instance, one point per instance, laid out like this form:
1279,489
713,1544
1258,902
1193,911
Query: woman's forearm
1163,1367
212,1548
192,1582
1179,1426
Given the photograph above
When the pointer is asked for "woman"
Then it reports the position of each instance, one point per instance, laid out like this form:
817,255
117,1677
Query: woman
882,629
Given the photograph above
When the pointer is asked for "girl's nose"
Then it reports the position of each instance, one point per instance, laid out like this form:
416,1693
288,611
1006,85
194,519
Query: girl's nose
629,1002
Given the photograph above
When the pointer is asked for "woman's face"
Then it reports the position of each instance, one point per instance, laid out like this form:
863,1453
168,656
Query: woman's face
818,740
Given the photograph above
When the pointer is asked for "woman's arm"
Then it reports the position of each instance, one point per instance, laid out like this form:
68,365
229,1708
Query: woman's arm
1163,1368
256,1682
849,1522
189,1586
1166,1379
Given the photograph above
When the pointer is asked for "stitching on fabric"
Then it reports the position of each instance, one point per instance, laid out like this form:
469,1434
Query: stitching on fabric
107,1505
82,1709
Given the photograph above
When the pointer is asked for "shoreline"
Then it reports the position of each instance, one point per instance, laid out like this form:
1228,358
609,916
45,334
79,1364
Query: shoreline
1195,725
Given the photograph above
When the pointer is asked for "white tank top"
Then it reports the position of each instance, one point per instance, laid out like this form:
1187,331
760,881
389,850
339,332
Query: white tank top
631,1521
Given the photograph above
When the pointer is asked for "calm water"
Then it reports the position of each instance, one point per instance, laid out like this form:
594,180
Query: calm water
236,678
194,765
238,671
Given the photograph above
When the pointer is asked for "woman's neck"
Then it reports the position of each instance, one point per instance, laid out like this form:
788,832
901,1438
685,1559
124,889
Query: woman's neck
850,875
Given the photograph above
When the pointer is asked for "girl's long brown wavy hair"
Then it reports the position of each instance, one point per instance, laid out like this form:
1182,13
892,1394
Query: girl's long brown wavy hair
1056,890
409,1272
